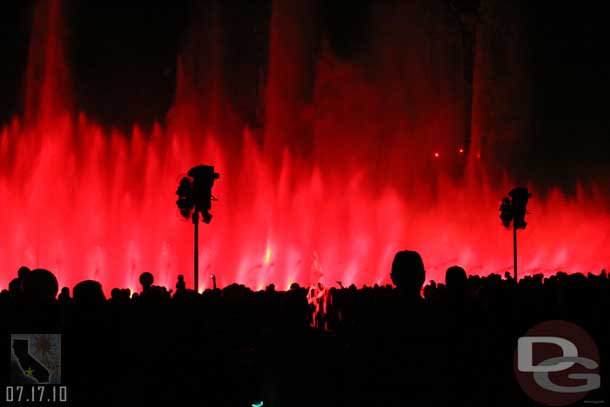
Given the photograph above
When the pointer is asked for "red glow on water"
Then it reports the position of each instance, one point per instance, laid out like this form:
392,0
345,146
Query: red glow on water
89,203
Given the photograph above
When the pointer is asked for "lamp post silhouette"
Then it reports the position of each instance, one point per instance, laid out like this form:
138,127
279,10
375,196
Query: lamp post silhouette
513,210
194,198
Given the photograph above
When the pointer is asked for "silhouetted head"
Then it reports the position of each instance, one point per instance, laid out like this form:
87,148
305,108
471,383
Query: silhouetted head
64,295
234,292
455,278
14,286
408,273
115,293
23,271
39,285
180,285
146,279
88,292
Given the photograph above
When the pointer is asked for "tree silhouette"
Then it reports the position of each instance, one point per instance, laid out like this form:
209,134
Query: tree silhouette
513,210
194,198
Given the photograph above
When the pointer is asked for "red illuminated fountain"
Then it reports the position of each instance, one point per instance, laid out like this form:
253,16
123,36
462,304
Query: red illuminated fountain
347,170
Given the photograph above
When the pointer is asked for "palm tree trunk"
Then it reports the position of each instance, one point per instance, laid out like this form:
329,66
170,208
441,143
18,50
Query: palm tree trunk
196,252
515,250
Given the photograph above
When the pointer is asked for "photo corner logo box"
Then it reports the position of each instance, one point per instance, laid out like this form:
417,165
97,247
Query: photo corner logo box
557,363
35,359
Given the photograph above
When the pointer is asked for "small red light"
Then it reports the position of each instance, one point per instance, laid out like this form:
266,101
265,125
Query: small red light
461,150
436,155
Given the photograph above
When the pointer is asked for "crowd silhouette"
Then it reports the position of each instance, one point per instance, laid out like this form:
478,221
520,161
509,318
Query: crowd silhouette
440,344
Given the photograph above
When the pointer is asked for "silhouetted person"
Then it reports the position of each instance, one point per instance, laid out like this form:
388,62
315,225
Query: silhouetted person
23,272
152,293
235,292
408,273
15,286
39,286
430,290
146,279
88,293
455,279
119,296
115,294
64,295
295,308
180,285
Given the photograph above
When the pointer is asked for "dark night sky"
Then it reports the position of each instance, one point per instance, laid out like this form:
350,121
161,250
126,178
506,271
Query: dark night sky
572,83
122,58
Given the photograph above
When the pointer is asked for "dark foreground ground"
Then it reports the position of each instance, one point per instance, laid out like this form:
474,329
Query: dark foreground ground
375,346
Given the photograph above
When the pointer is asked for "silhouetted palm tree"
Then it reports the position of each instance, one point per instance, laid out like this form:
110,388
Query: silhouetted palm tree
194,197
513,210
